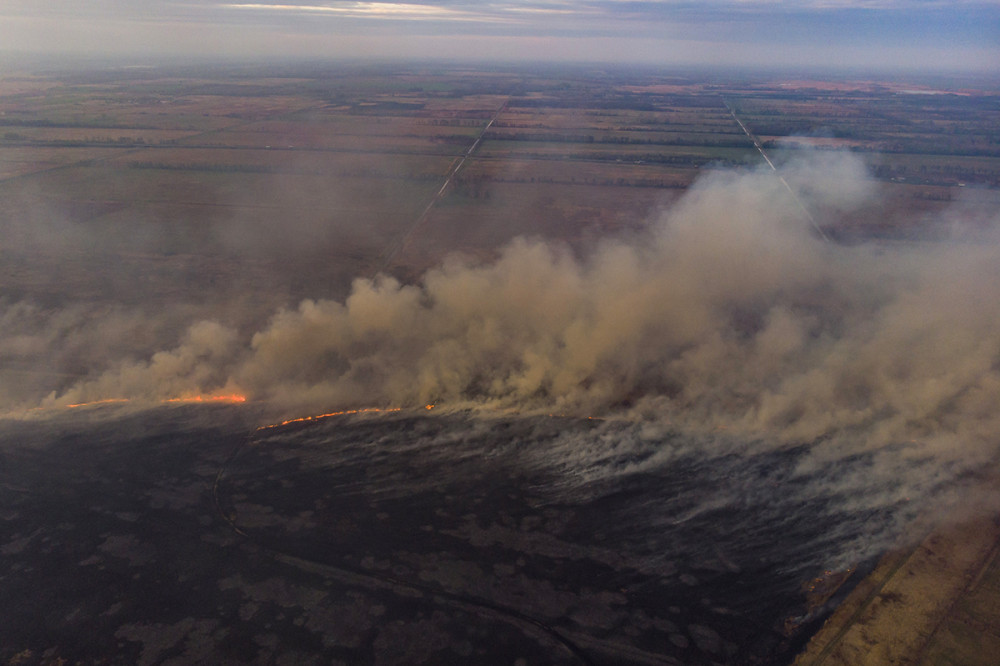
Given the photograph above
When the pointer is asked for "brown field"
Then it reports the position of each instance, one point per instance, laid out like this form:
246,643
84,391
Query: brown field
342,142
20,161
96,135
347,160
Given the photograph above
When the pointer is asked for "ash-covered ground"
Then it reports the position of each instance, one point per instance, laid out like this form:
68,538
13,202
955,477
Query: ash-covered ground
189,534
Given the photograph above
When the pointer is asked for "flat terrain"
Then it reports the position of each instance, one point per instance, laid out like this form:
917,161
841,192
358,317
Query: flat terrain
134,201
339,161
245,189
182,534
935,603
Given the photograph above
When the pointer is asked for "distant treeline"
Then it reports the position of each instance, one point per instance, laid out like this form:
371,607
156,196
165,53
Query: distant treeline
738,141
75,143
629,102
193,166
357,172
475,187
910,147
97,123
665,125
936,174
682,160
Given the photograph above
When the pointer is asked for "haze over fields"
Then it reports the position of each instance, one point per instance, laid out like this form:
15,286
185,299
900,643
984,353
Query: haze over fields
727,311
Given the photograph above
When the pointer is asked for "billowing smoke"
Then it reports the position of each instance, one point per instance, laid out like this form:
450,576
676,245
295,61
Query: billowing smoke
725,312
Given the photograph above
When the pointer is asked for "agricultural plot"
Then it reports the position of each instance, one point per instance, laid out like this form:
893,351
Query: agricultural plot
340,164
17,161
951,133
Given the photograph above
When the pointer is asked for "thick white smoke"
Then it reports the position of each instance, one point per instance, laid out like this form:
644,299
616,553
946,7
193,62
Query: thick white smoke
726,312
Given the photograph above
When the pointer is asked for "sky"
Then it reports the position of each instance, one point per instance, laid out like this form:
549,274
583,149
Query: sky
928,35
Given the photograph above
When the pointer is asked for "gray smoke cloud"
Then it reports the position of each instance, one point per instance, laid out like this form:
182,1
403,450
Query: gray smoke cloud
725,312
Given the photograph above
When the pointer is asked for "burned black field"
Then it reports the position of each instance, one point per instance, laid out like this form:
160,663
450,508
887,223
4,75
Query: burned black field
185,534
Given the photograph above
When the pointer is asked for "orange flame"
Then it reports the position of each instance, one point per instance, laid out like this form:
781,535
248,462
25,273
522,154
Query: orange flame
235,397
231,398
106,401
317,417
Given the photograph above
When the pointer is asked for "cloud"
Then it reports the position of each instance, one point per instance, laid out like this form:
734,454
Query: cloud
369,10
877,35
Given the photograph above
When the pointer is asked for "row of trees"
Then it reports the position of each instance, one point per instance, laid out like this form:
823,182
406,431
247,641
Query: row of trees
16,137
358,172
737,141
477,187
937,173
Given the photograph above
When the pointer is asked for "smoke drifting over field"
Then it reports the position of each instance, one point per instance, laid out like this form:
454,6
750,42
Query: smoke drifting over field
726,312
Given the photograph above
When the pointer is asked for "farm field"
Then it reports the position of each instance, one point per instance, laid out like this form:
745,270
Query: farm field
338,163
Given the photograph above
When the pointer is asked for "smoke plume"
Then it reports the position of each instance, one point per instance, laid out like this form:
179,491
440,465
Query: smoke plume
726,311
